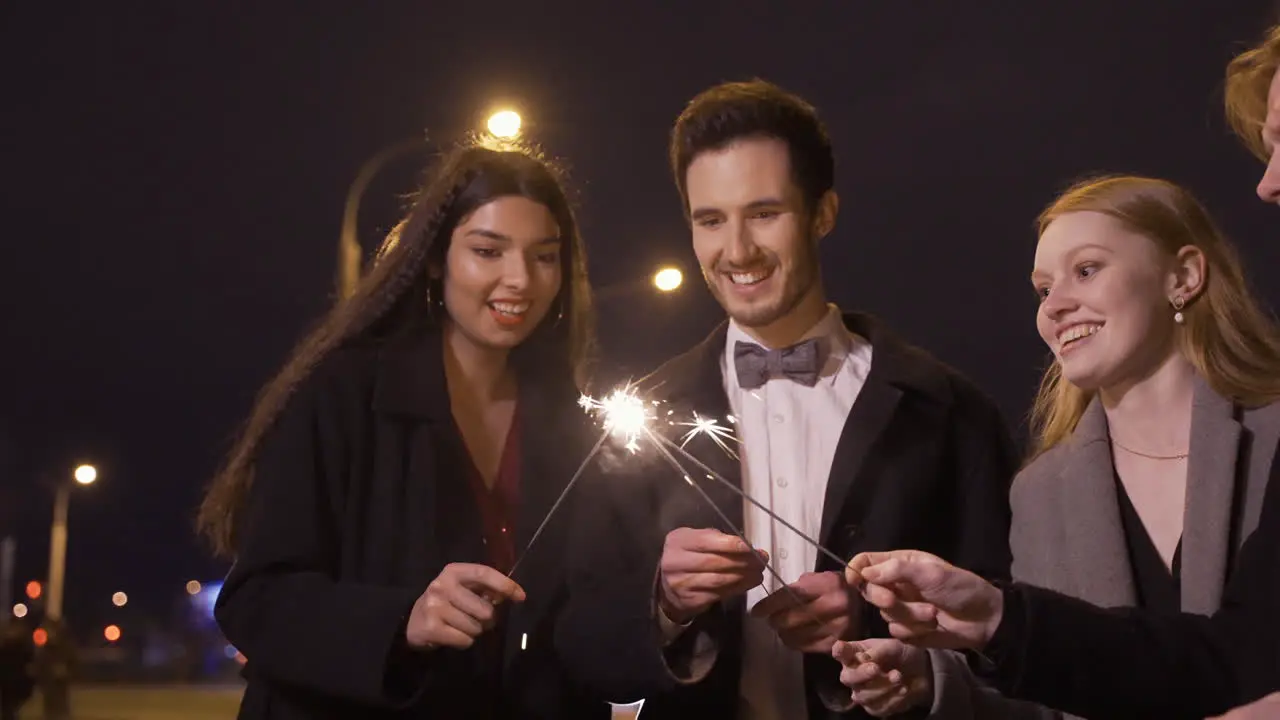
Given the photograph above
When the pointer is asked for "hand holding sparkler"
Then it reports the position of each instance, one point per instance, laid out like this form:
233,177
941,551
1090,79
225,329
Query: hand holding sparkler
458,606
824,597
702,567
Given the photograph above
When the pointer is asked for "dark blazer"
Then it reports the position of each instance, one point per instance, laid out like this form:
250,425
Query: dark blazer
923,461
1068,534
360,499
1056,650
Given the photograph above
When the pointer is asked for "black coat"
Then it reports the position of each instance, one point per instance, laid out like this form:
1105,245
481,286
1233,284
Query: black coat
360,499
924,461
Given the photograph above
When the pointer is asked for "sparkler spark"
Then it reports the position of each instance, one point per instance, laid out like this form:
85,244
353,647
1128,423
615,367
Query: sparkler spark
712,429
624,413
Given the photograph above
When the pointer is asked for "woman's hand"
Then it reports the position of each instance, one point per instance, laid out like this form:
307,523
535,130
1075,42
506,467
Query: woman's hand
458,606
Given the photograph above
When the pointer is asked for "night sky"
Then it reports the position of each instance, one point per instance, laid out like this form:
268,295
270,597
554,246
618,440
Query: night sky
175,179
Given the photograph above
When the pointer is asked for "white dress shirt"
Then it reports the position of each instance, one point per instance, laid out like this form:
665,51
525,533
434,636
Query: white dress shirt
788,434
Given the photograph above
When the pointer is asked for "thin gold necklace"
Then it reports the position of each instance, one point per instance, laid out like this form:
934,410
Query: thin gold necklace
1179,456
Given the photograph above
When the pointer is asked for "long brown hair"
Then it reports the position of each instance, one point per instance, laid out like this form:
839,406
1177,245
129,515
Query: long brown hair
1232,343
391,298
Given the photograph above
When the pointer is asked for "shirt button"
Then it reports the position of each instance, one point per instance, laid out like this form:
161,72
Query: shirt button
782,553
778,419
782,482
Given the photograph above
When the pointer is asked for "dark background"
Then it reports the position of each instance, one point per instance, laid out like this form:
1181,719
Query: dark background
175,174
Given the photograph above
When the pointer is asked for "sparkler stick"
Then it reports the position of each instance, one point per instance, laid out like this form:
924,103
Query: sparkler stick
741,493
782,584
563,493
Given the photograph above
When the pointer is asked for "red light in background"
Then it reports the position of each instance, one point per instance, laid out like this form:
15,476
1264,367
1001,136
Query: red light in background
40,637
34,589
111,633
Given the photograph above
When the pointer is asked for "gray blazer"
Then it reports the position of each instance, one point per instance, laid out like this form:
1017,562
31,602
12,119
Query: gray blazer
1067,533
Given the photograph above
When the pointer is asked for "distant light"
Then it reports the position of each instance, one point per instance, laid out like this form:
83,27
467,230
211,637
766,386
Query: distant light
86,474
119,599
193,587
40,637
34,589
19,610
504,124
111,633
668,279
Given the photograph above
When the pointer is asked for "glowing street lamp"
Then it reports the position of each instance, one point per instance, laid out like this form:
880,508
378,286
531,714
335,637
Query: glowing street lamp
504,124
86,474
83,475
668,279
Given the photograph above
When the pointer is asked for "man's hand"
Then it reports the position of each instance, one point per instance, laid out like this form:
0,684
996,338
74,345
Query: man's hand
1268,708
822,597
458,606
887,677
702,567
927,601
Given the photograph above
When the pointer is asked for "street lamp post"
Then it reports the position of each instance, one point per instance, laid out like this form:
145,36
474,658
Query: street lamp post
504,124
84,475
349,242
55,671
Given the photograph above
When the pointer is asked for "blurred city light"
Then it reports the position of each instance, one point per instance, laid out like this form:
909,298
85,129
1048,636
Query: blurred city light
34,589
19,610
111,633
193,587
119,599
40,637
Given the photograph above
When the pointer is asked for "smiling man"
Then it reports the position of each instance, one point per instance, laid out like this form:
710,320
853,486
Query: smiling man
847,434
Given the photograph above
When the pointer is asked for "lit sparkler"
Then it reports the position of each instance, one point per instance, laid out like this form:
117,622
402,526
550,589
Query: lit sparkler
625,416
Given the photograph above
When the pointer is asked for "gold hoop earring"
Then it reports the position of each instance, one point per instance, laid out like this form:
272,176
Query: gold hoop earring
1178,303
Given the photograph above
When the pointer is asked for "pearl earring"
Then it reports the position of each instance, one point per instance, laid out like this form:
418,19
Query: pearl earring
1178,304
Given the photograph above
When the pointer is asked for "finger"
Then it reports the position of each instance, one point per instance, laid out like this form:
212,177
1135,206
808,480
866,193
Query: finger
479,608
446,636
692,561
911,613
878,694
718,584
885,652
776,602
483,577
451,616
879,595
711,541
863,676
887,705
911,571
846,653
864,560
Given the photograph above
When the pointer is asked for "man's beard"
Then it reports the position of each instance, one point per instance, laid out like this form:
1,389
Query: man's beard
794,289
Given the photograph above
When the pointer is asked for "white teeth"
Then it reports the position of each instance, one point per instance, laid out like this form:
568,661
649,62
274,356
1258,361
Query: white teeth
1075,332
510,308
750,278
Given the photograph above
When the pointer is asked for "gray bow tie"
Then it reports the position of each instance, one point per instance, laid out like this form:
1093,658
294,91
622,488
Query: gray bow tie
800,362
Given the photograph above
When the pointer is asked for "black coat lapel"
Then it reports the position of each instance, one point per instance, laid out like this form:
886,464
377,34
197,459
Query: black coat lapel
896,368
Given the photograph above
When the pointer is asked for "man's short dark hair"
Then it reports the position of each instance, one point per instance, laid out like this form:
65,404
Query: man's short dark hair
726,113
